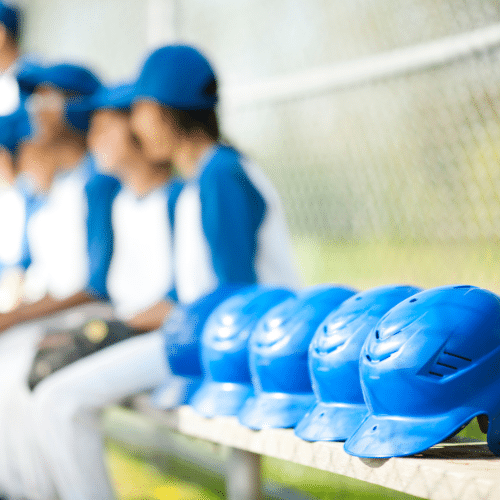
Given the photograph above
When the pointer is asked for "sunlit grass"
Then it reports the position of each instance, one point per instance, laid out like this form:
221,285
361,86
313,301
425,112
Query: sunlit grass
426,264
137,479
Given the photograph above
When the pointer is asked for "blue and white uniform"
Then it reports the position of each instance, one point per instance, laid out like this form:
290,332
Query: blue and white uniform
69,250
13,210
229,228
67,403
68,238
18,202
140,272
10,93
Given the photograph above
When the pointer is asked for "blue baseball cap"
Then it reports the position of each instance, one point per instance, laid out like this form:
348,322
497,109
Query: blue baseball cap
179,77
112,97
67,77
79,111
10,17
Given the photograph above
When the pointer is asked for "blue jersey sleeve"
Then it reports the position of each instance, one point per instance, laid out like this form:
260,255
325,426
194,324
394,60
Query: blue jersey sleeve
33,203
231,210
101,191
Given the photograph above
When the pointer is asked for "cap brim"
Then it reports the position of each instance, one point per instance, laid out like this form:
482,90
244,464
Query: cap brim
395,436
174,391
331,421
119,98
275,410
220,398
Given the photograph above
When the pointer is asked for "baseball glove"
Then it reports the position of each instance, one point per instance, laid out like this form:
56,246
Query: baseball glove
60,348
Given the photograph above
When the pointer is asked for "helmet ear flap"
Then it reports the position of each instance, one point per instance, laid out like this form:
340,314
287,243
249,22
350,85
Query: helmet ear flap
493,435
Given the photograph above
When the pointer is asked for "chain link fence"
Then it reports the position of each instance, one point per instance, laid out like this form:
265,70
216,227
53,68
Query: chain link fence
410,154
377,120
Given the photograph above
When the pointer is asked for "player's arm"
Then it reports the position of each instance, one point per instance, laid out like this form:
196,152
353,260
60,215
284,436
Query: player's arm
152,318
232,211
44,307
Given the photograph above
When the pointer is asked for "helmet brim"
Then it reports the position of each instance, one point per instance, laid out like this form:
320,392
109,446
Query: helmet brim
275,410
396,436
220,398
331,421
174,391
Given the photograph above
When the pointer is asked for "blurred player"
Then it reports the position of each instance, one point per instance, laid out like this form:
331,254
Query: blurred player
229,225
140,272
16,198
228,228
64,246
67,253
11,60
138,278
15,207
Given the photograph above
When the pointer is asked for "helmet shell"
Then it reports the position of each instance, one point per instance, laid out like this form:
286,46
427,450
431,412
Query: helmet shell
278,357
182,331
428,367
334,363
224,349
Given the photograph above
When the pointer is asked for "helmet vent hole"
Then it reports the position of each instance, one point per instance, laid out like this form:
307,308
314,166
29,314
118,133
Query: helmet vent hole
322,414
358,298
374,428
462,286
446,365
368,357
436,374
377,334
325,328
457,356
413,300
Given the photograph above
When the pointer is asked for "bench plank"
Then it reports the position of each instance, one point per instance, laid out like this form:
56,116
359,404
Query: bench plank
458,469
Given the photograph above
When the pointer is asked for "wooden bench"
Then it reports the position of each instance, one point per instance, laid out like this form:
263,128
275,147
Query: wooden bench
457,469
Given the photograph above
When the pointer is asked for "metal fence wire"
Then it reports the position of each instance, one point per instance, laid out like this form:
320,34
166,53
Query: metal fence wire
374,118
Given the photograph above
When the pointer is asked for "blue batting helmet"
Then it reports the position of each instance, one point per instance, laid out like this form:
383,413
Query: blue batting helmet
428,367
278,357
224,350
182,331
334,363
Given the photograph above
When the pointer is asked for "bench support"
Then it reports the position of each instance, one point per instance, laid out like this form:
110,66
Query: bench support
243,477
